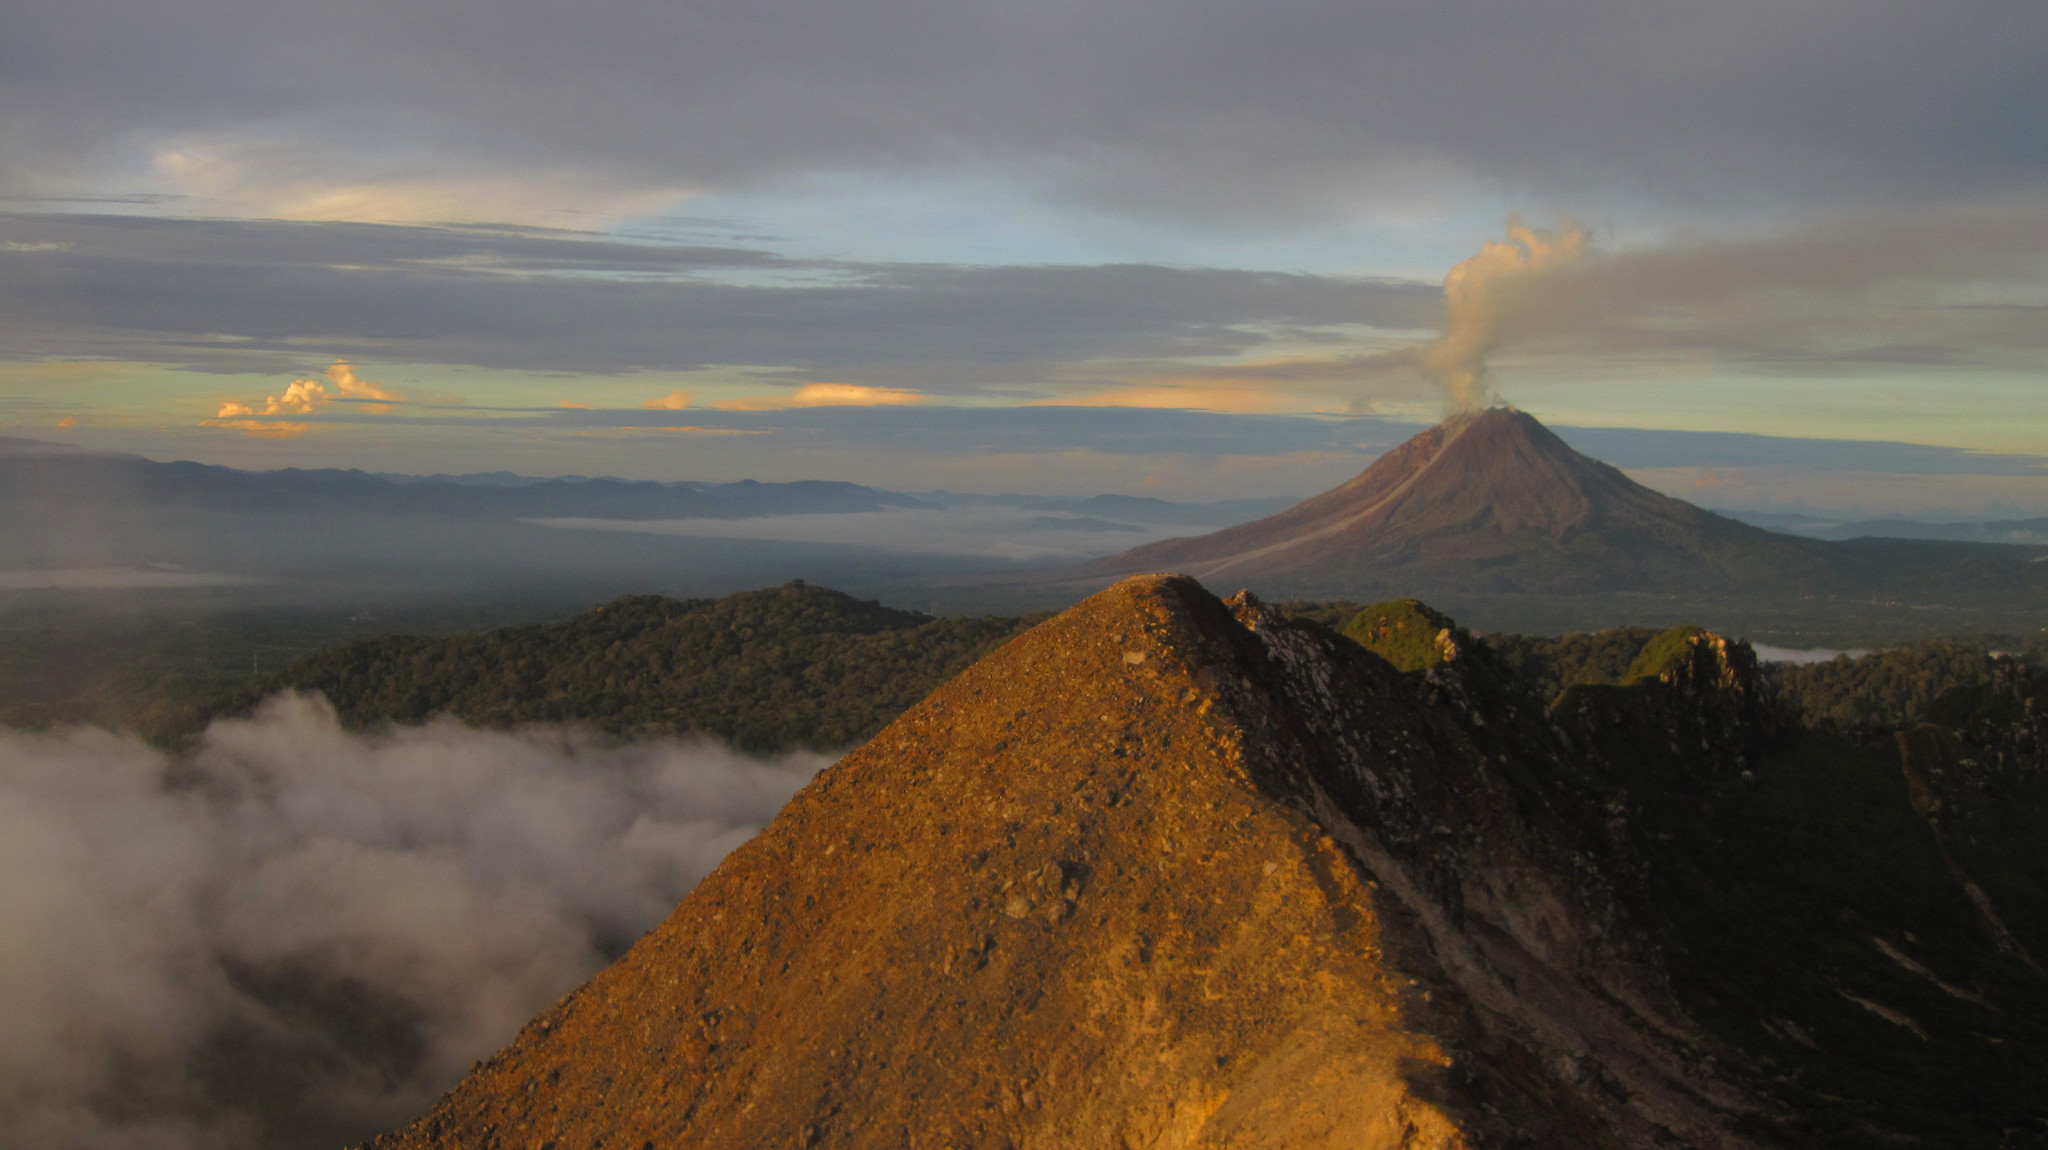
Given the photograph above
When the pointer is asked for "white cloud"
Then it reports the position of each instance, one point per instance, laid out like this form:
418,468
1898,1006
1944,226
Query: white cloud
164,921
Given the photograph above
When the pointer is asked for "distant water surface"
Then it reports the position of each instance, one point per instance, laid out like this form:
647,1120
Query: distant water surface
1767,654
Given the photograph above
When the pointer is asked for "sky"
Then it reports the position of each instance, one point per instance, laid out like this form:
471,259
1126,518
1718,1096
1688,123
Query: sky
1192,248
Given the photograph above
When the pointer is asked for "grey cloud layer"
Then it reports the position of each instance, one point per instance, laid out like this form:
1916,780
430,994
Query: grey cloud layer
1926,288
1637,447
968,430
1139,431
1211,107
160,289
1932,287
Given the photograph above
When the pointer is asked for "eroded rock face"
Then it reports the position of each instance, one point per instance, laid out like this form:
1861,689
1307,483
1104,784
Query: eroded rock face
1171,872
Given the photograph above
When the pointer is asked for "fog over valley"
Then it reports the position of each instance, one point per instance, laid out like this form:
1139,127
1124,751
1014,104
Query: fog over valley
296,935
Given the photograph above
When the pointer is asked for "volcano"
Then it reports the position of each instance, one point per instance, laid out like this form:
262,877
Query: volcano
1486,501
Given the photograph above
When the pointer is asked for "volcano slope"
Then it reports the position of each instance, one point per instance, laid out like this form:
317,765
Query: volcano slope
1492,502
1166,871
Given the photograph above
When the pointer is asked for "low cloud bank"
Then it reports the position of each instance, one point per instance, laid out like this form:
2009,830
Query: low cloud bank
298,935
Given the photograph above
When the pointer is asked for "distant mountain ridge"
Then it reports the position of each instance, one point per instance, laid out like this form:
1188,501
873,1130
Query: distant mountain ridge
55,474
32,473
1124,508
71,517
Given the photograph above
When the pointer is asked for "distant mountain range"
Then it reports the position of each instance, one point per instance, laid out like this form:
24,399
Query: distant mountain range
1491,515
59,482
34,474
77,519
52,478
1126,510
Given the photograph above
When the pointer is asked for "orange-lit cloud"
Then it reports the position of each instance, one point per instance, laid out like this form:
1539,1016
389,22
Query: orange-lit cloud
344,378
1255,387
688,429
1277,384
1234,400
824,395
260,428
674,401
303,397
68,422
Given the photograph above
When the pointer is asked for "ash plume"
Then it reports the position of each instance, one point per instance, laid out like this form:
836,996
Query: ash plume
298,936
1473,294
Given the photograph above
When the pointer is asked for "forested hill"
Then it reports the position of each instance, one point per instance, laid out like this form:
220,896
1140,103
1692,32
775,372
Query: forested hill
804,666
784,667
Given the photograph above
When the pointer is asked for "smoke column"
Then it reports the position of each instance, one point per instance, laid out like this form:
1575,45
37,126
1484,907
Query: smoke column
299,936
1472,306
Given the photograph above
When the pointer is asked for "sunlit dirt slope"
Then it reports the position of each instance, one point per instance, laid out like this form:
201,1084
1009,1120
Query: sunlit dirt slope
1170,872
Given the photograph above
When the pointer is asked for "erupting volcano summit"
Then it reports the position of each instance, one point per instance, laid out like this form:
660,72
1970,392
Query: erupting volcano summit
1484,501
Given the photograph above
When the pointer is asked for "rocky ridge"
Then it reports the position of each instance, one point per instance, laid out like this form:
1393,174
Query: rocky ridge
1170,871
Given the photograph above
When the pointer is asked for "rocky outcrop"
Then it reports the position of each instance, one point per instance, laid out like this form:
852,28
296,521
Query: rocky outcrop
1167,871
